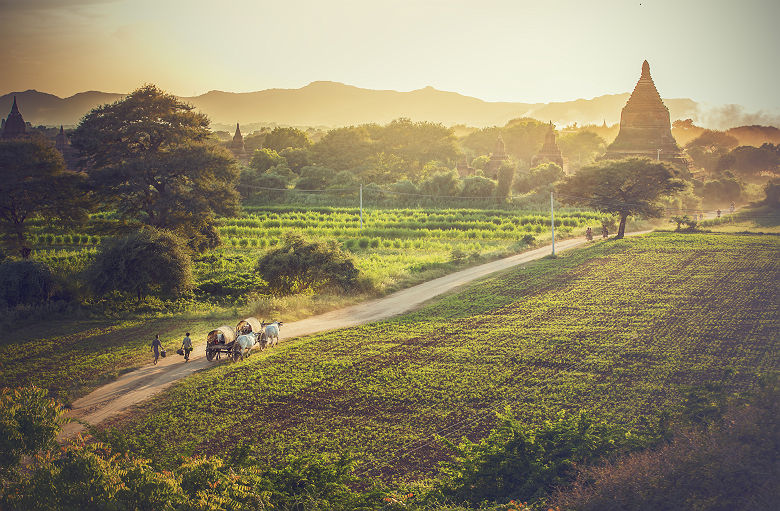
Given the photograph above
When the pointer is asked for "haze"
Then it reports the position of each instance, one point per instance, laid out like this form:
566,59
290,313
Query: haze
719,52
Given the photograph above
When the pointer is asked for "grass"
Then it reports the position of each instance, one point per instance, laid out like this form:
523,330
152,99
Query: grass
624,329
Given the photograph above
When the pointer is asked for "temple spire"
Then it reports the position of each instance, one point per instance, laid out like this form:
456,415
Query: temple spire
14,108
14,124
645,70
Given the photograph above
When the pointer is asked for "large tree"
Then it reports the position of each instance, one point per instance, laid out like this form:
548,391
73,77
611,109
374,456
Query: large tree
627,187
34,183
150,155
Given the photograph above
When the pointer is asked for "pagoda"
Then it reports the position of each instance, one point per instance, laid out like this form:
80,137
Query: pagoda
62,144
14,125
549,151
237,145
497,157
645,130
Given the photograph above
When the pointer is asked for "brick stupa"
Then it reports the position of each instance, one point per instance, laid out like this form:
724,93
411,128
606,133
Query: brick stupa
14,125
497,158
549,151
237,146
645,126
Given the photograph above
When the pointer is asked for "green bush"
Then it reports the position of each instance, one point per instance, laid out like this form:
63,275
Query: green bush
232,284
29,283
301,265
143,262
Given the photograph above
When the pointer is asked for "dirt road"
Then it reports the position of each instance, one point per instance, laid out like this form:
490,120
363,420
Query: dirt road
134,387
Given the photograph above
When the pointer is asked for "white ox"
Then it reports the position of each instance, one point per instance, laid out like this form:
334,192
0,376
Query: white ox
270,335
245,342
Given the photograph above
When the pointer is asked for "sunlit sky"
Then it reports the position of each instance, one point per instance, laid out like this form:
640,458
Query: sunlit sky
714,51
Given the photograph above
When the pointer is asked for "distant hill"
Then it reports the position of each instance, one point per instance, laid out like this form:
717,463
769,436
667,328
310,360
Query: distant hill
336,104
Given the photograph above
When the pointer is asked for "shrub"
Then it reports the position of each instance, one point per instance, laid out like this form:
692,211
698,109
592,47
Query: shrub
143,262
28,283
302,265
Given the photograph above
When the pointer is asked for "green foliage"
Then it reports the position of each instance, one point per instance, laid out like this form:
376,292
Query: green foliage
720,192
151,157
34,182
281,138
506,174
444,183
231,284
478,186
749,162
772,193
264,159
28,283
690,224
631,186
296,158
581,147
301,265
254,184
145,261
516,461
29,423
314,178
539,178
707,149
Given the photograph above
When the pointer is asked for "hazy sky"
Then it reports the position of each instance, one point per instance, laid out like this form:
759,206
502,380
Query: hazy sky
716,51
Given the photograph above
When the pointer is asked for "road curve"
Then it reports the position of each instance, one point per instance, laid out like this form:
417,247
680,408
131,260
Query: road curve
135,387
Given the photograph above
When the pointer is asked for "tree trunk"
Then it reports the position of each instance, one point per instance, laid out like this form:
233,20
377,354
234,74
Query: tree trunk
622,227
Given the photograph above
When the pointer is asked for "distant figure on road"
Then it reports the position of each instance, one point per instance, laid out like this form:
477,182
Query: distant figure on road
718,213
156,347
604,232
589,234
186,345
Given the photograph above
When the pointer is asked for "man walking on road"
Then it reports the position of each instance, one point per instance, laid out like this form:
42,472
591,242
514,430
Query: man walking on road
186,345
156,346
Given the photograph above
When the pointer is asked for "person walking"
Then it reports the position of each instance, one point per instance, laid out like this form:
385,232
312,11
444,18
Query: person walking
186,345
589,234
604,232
156,347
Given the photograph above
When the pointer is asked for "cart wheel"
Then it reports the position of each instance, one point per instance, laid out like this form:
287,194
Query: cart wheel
209,355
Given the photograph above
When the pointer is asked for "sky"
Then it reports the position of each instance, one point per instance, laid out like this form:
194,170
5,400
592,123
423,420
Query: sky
717,52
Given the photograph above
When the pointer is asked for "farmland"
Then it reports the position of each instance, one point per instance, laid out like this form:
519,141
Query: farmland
623,329
73,349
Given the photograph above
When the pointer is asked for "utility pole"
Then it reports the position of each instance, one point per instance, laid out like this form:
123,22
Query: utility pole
552,222
658,156
361,205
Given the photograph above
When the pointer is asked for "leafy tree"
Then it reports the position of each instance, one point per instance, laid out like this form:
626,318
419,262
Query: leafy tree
443,183
145,261
314,177
750,162
772,193
150,155
254,140
581,147
301,265
415,142
480,161
29,423
264,159
524,137
296,158
382,168
505,176
478,186
282,138
28,283
265,185
538,178
718,192
706,150
631,186
344,148
34,183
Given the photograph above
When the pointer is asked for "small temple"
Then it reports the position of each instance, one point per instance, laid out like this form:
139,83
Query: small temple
549,151
497,158
14,124
645,129
237,145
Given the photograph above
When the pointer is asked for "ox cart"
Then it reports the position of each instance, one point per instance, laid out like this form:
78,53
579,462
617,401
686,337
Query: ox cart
220,341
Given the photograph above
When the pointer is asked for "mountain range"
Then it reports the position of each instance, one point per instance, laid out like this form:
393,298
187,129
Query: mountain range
331,104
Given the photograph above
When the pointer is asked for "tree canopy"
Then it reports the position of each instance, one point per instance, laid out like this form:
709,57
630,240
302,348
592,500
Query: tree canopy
282,138
34,182
150,155
631,186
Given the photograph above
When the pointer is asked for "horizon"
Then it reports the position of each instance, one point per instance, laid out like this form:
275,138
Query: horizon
499,51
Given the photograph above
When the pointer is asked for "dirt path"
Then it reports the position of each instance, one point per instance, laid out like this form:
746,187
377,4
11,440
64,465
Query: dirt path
134,387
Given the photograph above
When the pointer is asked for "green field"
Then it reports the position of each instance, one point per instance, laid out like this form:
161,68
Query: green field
624,329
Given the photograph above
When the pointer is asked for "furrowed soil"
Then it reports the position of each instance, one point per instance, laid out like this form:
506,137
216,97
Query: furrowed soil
625,329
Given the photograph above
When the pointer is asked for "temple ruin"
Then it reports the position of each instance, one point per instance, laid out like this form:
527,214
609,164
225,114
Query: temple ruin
645,129
549,153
